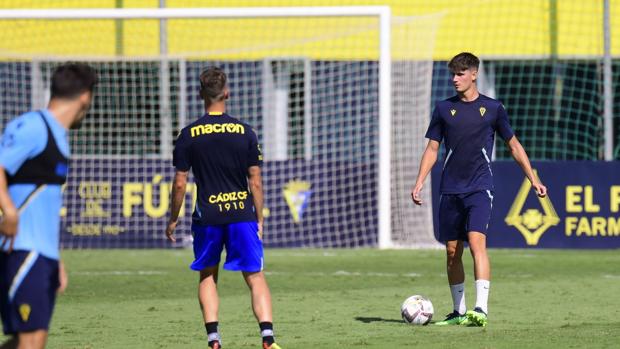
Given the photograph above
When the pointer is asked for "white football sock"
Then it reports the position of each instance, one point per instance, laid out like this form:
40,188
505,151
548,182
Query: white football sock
482,294
458,297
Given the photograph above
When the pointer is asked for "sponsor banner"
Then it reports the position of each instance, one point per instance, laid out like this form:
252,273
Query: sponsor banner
582,209
123,203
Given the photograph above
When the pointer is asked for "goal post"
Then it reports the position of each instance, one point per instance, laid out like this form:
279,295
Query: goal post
354,144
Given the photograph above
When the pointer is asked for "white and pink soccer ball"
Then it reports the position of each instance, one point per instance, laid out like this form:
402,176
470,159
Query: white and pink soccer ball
417,310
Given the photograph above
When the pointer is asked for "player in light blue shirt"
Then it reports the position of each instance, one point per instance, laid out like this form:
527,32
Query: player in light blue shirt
34,163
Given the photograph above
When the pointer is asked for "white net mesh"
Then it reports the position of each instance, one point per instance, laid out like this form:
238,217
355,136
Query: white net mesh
308,86
412,77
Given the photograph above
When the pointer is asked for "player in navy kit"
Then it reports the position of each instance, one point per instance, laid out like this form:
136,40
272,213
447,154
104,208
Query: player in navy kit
34,156
224,156
467,124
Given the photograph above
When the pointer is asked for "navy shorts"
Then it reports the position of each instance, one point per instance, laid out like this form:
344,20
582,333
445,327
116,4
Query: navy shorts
244,249
28,284
461,213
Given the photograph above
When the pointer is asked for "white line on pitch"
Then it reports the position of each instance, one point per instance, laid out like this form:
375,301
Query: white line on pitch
119,272
345,273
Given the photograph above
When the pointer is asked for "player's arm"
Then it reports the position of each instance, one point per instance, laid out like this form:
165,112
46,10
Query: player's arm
176,198
255,181
182,165
520,156
10,216
426,164
63,278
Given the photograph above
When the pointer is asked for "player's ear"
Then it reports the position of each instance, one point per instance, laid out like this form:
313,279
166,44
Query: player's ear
474,74
85,98
226,93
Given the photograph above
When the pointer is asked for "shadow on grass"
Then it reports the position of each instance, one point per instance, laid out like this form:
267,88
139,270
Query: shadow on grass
368,320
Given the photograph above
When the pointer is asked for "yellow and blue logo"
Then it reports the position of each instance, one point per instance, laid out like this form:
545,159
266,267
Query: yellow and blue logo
24,312
297,195
482,111
531,223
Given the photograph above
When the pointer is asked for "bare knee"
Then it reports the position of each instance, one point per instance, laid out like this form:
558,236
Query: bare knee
477,244
254,279
454,252
32,340
256,282
209,274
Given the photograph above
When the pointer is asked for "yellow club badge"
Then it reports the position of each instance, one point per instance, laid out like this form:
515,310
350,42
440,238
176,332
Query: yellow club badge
24,312
482,111
453,112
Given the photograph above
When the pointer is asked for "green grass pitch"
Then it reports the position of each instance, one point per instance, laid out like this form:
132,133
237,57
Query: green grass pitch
340,299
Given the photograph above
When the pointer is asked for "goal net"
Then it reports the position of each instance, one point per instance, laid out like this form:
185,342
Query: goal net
340,110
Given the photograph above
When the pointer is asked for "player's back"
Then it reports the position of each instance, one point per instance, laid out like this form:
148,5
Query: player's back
219,149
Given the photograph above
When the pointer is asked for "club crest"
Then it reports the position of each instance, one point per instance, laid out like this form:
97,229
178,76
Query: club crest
482,111
24,311
453,111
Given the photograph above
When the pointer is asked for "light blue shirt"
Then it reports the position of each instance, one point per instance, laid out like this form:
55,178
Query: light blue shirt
39,219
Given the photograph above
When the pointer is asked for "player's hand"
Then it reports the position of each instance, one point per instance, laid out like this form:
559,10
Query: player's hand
8,227
415,194
8,224
170,230
63,278
260,230
541,190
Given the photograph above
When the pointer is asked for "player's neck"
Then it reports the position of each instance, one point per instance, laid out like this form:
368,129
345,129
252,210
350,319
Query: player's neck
469,95
63,112
218,107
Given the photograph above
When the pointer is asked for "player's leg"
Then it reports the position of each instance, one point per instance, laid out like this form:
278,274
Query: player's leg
456,280
261,305
208,245
451,230
244,252
479,205
32,340
209,304
478,249
29,285
454,262
261,296
207,293
456,275
482,272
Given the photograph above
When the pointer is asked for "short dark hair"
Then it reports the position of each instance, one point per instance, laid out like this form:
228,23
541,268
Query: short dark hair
212,84
463,61
70,80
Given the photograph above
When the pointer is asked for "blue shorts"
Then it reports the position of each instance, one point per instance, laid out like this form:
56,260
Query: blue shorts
28,284
244,249
461,213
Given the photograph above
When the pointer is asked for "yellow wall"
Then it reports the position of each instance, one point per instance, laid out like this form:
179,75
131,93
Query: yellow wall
428,28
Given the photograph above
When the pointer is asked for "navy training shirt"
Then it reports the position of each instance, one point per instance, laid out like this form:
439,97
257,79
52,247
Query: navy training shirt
219,149
468,129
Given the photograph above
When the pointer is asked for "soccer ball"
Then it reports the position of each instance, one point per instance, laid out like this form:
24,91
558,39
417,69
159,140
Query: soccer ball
417,310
